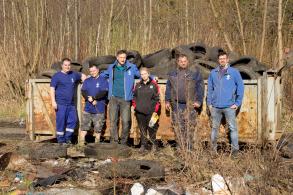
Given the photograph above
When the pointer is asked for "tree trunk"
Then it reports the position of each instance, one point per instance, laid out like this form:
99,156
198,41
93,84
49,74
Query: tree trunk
150,22
187,22
280,39
109,29
76,52
241,27
220,26
263,30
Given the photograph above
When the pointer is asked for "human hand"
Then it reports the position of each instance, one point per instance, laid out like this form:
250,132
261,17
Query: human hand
168,106
94,102
90,99
234,107
196,104
54,104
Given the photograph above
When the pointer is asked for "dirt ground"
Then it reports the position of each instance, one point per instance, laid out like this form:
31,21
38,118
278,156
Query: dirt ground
257,170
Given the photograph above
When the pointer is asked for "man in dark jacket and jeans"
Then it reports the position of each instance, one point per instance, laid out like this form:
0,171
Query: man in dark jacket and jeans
184,94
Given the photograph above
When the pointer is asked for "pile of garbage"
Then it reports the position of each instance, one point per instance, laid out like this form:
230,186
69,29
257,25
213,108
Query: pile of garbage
202,58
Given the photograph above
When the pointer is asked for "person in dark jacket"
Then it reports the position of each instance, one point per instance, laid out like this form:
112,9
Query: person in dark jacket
94,90
184,95
146,103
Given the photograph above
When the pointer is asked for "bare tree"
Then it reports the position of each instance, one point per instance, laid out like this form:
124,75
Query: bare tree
263,30
240,27
280,39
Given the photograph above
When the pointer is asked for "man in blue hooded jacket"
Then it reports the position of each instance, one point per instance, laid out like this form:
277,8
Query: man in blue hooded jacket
224,97
121,76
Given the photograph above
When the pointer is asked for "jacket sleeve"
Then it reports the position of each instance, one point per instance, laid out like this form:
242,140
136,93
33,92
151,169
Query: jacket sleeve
168,91
156,96
199,87
136,72
239,89
210,90
105,73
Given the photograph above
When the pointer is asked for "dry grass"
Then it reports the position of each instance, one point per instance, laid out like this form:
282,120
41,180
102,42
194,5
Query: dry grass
257,170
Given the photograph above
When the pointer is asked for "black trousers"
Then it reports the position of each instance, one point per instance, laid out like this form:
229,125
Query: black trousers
143,124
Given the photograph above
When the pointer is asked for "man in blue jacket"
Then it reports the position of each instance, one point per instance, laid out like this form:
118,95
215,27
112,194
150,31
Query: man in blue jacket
224,97
94,90
184,94
121,76
62,90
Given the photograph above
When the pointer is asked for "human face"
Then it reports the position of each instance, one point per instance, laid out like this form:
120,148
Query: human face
121,58
223,60
183,62
66,66
144,75
94,71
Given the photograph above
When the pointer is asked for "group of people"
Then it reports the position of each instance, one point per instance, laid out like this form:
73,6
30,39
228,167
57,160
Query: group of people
116,87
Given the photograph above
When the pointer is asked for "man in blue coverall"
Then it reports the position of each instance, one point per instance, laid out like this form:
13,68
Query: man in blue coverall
224,97
94,90
62,90
121,76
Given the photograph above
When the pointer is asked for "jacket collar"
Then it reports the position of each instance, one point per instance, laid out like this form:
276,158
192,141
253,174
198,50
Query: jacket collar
127,64
228,69
150,80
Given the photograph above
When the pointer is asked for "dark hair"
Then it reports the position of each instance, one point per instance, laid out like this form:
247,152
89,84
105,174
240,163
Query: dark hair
222,53
181,55
122,51
93,65
66,59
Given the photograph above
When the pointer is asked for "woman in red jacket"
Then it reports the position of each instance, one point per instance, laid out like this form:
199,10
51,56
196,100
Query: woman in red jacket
146,103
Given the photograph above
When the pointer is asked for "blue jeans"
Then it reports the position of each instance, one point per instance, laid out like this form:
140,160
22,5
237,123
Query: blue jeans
230,116
117,105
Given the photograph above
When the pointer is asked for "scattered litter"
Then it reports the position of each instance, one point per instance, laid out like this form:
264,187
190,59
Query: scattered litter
137,189
19,177
219,185
152,192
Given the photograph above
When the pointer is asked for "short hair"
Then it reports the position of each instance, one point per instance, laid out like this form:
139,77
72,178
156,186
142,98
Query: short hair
222,53
93,65
65,59
122,51
182,55
144,69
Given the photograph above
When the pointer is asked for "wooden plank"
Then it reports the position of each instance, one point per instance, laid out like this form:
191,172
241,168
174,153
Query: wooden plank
259,110
31,104
45,111
264,108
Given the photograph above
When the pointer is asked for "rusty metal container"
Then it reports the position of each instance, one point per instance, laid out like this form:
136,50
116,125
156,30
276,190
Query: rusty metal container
258,119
